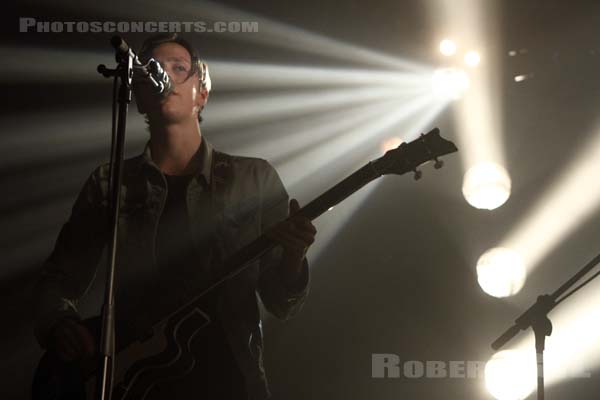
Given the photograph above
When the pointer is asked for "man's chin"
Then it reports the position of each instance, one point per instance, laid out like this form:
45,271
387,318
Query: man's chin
169,112
168,119
164,117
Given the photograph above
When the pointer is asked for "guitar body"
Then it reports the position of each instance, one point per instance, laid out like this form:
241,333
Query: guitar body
174,359
167,355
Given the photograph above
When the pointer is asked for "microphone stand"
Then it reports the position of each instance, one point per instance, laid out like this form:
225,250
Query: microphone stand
126,60
124,74
536,317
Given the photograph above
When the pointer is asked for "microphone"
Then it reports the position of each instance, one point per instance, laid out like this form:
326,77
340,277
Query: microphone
152,71
158,77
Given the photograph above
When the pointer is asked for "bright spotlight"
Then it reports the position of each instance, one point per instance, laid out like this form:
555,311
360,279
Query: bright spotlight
510,375
391,143
501,272
450,83
472,58
447,47
486,186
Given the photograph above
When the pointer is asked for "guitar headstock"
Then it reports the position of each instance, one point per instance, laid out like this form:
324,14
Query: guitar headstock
409,156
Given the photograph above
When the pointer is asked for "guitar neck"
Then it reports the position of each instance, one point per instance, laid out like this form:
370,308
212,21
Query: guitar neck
340,192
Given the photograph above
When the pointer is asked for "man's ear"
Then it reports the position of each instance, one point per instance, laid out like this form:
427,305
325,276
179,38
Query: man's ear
201,98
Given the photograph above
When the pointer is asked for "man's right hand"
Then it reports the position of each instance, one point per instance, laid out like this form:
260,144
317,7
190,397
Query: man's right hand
72,340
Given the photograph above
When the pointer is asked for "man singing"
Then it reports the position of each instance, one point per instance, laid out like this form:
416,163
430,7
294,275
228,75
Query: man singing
184,209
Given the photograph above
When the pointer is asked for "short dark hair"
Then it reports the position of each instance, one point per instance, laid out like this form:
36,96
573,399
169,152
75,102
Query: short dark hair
154,41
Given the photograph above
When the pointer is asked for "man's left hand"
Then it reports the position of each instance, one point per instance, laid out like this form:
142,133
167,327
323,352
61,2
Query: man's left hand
296,234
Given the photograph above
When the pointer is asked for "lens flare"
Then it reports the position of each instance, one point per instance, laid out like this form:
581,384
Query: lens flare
391,143
472,58
447,47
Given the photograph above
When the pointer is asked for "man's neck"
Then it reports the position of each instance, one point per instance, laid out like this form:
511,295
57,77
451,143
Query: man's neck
173,147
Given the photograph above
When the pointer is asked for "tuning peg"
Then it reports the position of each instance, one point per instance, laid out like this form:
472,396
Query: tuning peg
418,174
107,72
438,163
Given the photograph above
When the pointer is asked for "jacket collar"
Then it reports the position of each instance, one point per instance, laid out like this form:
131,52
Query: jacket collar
206,154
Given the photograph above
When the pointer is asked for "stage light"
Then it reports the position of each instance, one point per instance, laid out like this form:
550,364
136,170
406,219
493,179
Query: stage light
501,272
486,186
450,83
447,47
510,375
521,78
472,58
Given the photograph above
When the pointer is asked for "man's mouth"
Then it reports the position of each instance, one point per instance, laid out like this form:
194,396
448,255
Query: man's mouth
163,99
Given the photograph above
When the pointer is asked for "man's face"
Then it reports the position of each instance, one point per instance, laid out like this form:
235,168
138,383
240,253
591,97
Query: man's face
186,99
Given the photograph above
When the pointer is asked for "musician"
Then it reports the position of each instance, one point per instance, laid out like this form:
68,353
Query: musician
185,207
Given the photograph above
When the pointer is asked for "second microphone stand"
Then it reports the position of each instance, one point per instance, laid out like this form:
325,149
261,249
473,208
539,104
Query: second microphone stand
536,317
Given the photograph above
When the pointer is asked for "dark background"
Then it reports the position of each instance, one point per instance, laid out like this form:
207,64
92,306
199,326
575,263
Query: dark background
399,276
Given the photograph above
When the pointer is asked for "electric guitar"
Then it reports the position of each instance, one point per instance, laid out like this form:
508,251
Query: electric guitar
166,353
